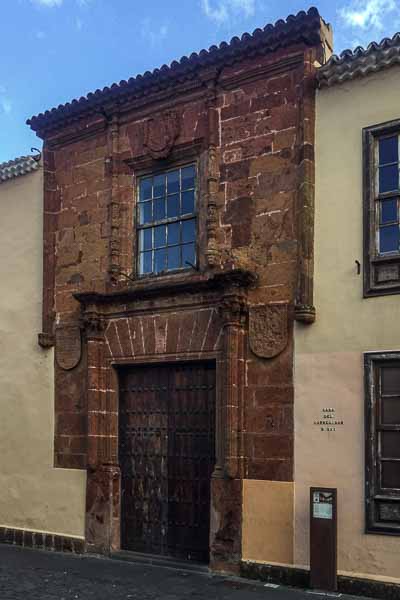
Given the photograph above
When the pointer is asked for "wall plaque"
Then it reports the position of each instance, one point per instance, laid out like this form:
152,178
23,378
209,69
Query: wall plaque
328,420
68,346
268,329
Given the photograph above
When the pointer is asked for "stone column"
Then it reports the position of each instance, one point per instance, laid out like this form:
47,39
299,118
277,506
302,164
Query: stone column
226,488
103,476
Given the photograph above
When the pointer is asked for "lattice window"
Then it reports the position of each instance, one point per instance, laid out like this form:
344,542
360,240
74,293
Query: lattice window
382,209
383,442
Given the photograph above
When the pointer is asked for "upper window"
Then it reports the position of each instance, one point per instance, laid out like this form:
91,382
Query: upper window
383,442
387,194
382,209
167,221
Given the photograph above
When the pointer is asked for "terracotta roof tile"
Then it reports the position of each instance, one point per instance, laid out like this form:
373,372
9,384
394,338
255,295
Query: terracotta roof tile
301,28
17,167
352,64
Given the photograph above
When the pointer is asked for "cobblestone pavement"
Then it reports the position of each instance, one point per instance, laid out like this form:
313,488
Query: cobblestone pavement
37,575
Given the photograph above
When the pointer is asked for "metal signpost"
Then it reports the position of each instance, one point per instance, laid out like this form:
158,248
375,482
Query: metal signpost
323,539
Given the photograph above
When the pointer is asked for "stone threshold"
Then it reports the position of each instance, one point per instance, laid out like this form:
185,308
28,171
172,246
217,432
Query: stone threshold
159,561
295,577
41,540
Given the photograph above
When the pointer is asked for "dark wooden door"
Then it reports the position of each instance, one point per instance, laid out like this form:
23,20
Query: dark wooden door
167,455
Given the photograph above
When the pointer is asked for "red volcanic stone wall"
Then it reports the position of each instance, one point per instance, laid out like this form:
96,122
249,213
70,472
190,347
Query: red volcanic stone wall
262,128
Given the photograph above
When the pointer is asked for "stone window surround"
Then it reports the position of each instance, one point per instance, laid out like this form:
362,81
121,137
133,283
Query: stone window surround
374,497
381,272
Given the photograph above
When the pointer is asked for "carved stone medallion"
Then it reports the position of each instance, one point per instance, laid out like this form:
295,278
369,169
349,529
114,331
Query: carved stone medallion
68,346
160,133
268,329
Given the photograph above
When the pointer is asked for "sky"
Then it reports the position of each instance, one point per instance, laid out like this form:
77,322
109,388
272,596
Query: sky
52,51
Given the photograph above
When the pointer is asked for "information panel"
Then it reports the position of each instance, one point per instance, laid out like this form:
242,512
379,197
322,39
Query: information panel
323,539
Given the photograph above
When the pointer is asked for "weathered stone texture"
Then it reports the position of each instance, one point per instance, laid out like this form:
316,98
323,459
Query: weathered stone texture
249,126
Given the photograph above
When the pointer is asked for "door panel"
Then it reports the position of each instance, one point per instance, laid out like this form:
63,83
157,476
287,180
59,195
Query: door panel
167,454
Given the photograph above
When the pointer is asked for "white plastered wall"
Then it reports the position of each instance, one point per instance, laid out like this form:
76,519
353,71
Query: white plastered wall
34,495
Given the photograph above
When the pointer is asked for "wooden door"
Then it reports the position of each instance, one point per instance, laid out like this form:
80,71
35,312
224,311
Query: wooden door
167,455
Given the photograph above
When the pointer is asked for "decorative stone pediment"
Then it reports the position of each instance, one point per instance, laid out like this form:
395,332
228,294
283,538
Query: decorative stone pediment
158,135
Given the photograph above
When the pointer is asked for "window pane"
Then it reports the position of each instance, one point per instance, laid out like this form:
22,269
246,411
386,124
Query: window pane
145,211
173,182
173,206
188,202
188,231
390,380
391,411
174,257
388,150
390,441
145,188
389,238
389,210
160,233
159,209
188,177
159,260
188,255
159,186
391,474
145,263
173,233
145,239
388,178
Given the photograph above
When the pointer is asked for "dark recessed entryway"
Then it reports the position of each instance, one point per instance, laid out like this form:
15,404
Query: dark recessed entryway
167,455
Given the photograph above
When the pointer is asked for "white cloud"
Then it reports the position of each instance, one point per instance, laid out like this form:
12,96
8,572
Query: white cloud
222,11
370,14
5,105
48,3
153,35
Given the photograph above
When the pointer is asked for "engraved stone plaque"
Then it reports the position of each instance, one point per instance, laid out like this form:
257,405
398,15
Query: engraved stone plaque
268,329
68,346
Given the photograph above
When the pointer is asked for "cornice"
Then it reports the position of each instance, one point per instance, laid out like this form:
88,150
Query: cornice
304,28
148,288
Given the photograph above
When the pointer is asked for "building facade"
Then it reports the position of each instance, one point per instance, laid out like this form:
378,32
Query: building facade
347,368
178,224
36,498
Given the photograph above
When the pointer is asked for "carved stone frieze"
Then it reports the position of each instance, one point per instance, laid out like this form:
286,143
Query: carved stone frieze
93,323
268,329
233,309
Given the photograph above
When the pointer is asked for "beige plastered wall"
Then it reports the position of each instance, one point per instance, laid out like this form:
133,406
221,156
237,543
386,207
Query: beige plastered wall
267,534
329,353
34,495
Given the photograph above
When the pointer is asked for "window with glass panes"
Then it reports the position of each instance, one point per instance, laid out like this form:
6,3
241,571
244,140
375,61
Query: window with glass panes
387,194
383,441
167,221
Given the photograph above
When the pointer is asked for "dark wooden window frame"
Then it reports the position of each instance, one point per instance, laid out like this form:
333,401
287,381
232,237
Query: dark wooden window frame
381,272
380,502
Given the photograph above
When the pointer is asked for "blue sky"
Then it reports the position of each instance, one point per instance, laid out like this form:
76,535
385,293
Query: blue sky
54,50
